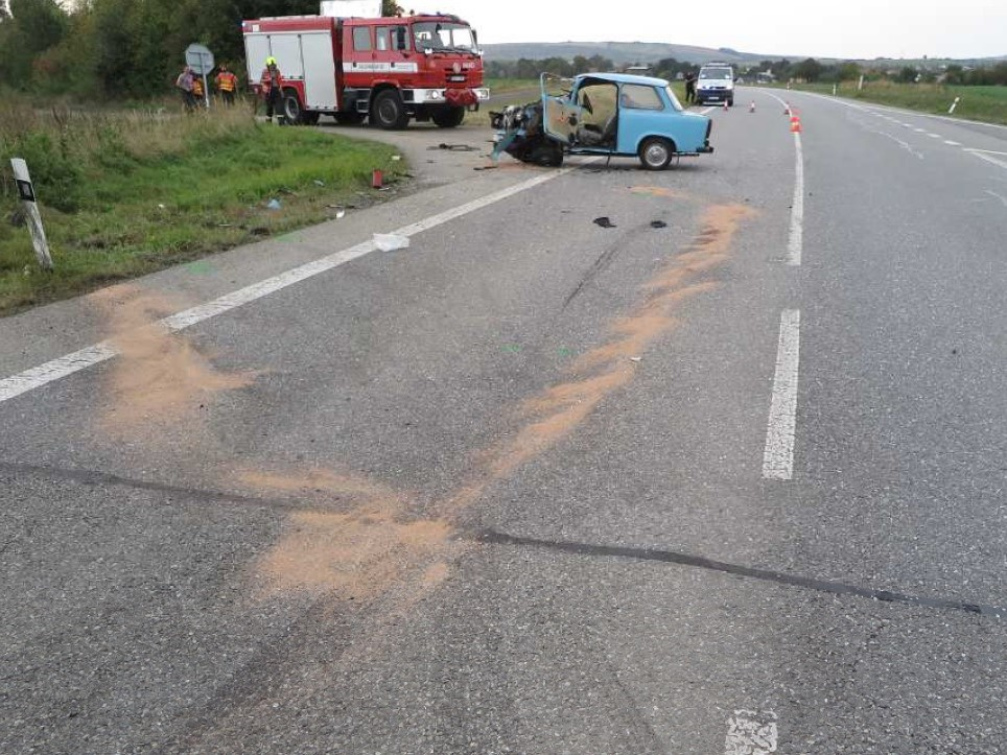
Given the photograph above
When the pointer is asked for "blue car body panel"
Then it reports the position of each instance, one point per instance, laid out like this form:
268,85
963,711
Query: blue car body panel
689,132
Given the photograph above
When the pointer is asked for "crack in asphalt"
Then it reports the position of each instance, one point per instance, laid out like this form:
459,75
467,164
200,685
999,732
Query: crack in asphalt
492,537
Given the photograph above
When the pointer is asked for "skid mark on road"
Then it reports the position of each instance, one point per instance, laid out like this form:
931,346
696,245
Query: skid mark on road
765,575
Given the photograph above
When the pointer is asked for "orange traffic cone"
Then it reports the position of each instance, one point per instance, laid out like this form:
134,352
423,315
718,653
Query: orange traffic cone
795,125
786,108
751,108
725,106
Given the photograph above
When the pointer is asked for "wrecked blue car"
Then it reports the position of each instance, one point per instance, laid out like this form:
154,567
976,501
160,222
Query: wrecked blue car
609,114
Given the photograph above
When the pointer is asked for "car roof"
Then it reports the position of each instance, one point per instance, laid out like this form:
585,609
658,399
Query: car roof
625,78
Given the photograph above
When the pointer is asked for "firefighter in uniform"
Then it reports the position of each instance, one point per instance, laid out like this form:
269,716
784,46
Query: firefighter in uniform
227,83
197,89
271,87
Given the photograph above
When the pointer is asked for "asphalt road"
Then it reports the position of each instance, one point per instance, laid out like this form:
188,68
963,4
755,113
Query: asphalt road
729,483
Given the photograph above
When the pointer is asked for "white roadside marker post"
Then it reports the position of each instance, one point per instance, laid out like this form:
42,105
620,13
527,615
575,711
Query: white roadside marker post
954,104
32,215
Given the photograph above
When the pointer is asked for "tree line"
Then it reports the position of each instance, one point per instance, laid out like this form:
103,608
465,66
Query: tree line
134,48
123,48
809,69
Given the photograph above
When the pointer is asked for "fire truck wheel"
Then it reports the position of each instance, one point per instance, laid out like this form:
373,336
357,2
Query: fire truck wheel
292,108
388,111
448,117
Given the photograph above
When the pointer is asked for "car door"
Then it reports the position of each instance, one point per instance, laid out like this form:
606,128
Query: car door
560,113
642,112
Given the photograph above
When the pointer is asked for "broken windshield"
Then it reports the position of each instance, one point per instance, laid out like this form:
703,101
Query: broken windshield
444,36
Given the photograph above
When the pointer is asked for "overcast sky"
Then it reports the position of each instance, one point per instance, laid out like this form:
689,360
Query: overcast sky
832,29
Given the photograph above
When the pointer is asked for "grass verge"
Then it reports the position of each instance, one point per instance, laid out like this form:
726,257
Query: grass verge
127,194
977,103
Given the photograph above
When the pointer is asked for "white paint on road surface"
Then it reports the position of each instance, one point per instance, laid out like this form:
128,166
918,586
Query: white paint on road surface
751,732
778,460
952,144
795,246
987,155
1002,198
64,366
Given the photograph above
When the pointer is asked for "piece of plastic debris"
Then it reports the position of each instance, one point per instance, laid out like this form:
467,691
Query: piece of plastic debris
389,242
161,207
455,147
340,214
273,204
604,222
319,183
396,158
635,359
658,224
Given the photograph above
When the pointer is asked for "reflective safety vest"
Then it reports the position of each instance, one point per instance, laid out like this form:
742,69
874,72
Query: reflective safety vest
266,82
197,86
227,81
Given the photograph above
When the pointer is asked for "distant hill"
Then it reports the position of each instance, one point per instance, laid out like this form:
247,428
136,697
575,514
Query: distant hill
619,53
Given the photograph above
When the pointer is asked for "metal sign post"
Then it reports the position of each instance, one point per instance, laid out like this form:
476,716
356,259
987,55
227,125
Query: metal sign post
34,218
200,60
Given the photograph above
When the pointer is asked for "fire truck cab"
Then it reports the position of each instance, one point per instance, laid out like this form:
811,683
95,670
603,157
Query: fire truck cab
390,70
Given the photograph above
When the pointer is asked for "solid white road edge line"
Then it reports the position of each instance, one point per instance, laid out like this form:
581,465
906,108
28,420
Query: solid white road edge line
795,244
778,460
61,367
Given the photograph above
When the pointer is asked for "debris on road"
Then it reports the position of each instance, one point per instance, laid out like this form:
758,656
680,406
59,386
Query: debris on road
273,204
389,242
455,147
658,224
604,222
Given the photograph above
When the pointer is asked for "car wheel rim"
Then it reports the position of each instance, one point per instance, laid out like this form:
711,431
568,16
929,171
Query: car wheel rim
656,154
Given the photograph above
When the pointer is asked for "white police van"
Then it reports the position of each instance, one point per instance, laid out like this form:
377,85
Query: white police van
715,84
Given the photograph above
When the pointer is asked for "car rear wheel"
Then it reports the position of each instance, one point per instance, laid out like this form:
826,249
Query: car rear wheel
656,153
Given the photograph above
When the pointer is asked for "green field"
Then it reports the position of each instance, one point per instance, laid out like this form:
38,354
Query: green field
125,194
977,103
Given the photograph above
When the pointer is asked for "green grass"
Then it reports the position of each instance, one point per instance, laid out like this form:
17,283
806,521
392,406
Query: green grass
123,195
504,86
978,103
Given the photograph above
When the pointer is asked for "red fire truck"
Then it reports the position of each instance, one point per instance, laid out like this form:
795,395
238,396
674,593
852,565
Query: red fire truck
390,70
